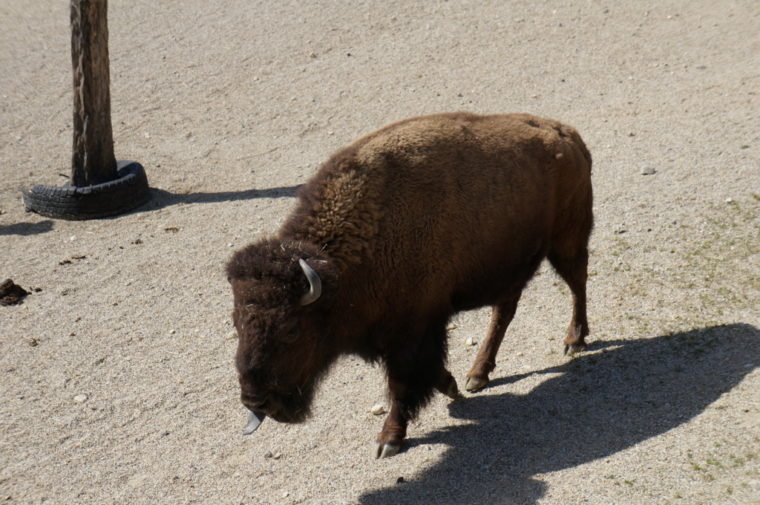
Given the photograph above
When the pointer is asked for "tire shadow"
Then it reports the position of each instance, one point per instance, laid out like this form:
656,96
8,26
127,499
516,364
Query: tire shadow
26,229
599,404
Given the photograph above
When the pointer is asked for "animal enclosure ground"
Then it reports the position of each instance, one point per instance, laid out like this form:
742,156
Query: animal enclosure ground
118,378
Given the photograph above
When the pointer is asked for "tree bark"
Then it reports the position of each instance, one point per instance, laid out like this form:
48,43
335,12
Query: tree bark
93,160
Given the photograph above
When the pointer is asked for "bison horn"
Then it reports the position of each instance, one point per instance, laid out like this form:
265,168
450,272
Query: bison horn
315,284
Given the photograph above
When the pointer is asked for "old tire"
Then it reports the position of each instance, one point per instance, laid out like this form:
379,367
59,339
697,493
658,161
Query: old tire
123,194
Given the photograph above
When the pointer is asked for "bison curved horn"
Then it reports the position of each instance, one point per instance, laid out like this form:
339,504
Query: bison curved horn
315,284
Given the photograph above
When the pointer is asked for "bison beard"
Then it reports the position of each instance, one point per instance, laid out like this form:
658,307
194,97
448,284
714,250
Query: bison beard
397,232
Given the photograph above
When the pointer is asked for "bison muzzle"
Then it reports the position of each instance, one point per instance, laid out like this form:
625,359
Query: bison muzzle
395,234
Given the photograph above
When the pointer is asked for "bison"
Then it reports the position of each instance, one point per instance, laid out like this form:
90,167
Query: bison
393,235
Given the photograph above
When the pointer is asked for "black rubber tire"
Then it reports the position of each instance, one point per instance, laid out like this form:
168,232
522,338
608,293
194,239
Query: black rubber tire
121,195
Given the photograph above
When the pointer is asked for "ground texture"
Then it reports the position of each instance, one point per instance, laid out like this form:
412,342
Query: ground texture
117,377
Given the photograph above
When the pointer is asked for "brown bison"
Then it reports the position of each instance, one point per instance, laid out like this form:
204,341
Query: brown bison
395,233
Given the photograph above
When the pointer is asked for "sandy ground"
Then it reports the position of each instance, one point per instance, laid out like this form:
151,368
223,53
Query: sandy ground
117,377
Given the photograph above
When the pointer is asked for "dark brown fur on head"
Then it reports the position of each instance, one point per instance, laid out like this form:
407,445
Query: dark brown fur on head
278,359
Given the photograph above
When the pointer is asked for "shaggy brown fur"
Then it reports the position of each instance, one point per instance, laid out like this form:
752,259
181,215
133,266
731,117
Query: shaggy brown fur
408,225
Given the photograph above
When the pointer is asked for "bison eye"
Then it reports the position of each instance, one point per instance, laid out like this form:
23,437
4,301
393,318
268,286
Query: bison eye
291,335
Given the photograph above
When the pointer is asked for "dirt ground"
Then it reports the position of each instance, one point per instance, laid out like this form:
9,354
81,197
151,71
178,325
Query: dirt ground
118,384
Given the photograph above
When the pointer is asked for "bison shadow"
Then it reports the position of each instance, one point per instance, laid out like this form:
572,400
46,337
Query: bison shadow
601,403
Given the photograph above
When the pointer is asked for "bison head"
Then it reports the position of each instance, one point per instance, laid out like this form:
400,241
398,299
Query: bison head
279,316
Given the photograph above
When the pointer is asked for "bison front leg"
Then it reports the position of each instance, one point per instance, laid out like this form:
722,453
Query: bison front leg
405,403
447,385
391,437
485,362
412,379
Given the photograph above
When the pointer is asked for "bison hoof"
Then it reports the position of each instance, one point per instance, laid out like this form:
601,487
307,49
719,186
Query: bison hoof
574,348
453,391
475,384
387,450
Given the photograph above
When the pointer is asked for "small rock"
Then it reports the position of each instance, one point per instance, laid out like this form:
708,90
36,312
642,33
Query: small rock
648,171
729,200
400,480
268,455
378,409
33,342
470,341
80,398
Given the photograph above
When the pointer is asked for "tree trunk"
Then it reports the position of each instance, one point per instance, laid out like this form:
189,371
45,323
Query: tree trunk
93,160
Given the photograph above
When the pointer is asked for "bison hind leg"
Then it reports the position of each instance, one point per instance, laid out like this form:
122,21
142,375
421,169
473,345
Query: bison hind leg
574,271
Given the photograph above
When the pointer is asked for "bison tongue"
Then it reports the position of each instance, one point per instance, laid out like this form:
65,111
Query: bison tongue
254,420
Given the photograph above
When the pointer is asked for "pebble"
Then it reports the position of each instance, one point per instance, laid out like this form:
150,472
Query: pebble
378,409
648,171
80,398
471,341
